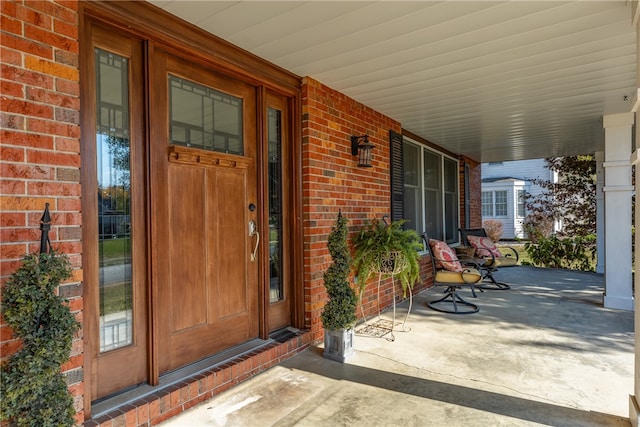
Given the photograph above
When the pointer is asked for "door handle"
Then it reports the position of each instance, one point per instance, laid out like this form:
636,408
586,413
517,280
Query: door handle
253,231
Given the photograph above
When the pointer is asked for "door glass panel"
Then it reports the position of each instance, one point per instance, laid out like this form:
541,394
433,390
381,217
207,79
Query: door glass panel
275,206
114,200
204,118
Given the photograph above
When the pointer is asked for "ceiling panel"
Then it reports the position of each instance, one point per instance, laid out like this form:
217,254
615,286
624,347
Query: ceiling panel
501,80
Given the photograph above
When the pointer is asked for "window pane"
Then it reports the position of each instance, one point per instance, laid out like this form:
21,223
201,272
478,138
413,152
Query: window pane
433,215
501,203
411,163
412,209
521,207
412,198
276,289
451,200
204,118
433,194
487,203
114,201
432,175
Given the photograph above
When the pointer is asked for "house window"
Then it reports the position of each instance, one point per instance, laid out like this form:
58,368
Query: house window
494,204
501,203
521,207
487,203
430,192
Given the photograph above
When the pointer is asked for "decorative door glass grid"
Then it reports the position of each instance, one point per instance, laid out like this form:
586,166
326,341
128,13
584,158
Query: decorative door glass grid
205,118
276,289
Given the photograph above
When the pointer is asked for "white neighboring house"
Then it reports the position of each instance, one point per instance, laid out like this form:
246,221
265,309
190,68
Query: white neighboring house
504,185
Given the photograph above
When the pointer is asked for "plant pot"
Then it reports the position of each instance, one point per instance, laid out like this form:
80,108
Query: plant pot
338,345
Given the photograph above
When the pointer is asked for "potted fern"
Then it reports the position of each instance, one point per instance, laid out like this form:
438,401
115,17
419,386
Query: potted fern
339,313
387,249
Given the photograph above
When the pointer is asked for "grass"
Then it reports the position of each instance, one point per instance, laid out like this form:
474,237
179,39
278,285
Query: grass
519,247
115,251
115,298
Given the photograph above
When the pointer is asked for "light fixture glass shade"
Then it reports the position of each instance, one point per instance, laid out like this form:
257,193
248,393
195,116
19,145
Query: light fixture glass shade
361,147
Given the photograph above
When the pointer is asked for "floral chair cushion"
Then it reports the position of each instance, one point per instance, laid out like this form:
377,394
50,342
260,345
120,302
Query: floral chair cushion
484,246
445,256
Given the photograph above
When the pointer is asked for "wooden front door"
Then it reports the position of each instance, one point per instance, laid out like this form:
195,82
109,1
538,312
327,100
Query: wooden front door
204,211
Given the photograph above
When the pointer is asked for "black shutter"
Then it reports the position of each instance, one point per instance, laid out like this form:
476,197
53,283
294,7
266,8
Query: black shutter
397,176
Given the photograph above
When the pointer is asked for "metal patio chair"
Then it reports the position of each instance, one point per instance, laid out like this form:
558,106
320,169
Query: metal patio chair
450,273
493,258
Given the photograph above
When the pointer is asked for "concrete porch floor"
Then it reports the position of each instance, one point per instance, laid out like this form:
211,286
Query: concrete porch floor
543,353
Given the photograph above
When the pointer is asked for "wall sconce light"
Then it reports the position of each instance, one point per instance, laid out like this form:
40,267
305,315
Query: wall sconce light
361,147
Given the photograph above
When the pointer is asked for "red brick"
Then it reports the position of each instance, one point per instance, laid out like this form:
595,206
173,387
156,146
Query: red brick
50,97
33,17
68,87
24,139
11,219
24,171
25,45
10,25
71,145
12,186
8,8
52,158
64,11
27,108
65,28
12,121
39,35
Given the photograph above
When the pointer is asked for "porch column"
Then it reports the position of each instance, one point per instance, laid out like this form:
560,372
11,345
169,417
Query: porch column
617,200
634,407
599,212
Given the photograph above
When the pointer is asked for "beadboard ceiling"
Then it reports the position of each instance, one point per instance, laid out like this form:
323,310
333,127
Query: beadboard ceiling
499,80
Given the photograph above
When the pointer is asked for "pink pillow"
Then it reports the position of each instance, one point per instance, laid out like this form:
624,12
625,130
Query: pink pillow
442,251
484,246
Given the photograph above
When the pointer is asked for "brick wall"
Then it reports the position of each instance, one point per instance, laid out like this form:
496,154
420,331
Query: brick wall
332,181
475,184
39,155
475,189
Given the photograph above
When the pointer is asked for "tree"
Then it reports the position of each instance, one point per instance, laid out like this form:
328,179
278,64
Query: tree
572,199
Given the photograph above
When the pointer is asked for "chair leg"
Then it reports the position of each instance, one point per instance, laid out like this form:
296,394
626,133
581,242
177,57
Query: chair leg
493,283
454,299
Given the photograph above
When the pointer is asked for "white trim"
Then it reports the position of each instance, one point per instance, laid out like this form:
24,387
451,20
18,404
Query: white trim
618,120
612,188
616,163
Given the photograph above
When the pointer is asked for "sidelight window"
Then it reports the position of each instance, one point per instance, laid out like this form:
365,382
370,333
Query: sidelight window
114,200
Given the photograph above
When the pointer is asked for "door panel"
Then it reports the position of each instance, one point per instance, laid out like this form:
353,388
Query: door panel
187,214
204,179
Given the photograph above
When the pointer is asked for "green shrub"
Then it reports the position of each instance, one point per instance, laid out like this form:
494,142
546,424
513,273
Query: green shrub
340,311
34,392
576,253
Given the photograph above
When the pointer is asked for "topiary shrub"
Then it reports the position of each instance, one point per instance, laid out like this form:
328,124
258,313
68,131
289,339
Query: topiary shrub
340,311
34,391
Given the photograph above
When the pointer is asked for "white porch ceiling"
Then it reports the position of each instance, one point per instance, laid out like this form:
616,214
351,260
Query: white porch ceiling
499,80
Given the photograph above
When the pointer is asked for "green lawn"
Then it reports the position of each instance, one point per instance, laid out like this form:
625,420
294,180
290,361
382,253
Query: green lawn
115,251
